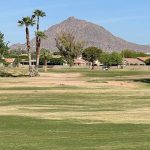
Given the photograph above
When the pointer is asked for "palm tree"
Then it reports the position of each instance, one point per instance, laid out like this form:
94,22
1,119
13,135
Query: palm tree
40,35
28,21
37,14
45,55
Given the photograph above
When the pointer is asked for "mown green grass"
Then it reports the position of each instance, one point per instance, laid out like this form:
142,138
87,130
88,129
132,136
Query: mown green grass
18,133
82,102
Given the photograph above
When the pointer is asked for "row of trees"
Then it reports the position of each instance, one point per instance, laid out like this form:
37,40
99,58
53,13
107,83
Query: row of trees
132,54
70,48
93,54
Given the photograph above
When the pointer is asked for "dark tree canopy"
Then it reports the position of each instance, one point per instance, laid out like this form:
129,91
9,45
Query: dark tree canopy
116,58
147,62
111,59
105,59
91,54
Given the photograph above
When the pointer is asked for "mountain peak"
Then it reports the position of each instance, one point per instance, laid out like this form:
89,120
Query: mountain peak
71,18
91,34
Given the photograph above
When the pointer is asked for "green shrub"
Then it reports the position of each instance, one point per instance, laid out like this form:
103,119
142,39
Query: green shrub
147,62
56,61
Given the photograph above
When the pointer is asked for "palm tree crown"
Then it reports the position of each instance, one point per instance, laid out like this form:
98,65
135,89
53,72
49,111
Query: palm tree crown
27,21
39,13
41,35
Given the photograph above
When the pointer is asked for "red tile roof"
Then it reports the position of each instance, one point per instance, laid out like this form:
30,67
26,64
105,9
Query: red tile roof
9,60
133,61
79,61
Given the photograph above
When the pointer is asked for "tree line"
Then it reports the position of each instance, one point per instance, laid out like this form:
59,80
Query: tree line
69,49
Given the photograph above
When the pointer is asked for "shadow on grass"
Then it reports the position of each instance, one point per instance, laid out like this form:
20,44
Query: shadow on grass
146,80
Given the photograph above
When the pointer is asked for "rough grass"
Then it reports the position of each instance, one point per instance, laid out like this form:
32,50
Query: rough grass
13,72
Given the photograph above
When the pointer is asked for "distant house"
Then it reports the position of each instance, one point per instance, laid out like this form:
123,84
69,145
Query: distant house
80,61
133,61
24,62
9,60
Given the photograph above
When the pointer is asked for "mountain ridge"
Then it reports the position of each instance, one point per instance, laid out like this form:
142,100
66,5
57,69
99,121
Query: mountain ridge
92,34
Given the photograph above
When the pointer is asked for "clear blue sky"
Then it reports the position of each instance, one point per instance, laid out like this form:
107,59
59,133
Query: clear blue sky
128,19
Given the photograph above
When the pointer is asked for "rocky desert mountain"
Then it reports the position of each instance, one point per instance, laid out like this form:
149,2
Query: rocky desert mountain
91,34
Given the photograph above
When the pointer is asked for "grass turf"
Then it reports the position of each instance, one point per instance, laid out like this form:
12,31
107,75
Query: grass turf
101,73
23,133
20,133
